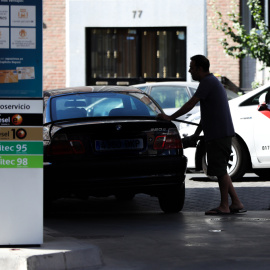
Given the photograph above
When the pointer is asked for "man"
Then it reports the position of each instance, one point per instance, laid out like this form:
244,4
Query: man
217,126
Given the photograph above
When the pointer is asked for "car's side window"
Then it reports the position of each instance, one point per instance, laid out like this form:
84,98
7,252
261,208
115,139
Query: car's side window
170,96
253,100
192,90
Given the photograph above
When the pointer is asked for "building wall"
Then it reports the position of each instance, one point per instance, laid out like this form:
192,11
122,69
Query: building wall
120,13
220,63
64,33
54,44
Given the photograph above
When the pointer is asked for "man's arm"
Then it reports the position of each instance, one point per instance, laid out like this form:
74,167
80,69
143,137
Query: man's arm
189,105
191,141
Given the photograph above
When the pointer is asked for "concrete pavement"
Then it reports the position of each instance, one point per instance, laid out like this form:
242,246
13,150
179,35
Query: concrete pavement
238,242
64,253
205,242
203,194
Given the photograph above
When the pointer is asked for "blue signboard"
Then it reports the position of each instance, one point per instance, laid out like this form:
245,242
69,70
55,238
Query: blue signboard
20,48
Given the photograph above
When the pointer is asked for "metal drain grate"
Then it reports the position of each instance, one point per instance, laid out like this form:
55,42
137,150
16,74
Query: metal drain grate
81,237
96,236
240,219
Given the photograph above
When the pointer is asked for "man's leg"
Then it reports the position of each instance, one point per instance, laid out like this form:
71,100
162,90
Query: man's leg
224,183
218,152
236,203
226,187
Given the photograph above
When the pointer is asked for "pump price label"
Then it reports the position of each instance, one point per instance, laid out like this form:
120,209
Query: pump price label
30,148
25,133
21,161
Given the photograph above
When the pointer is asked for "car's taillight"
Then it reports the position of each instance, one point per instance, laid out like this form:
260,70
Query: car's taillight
77,146
67,147
171,140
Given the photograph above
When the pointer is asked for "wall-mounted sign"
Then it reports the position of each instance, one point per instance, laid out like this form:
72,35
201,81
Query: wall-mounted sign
20,48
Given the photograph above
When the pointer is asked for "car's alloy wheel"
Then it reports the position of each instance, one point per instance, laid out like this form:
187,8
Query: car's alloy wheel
172,199
238,162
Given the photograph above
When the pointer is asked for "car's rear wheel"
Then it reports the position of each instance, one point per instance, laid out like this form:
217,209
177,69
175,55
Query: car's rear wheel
238,162
125,196
172,199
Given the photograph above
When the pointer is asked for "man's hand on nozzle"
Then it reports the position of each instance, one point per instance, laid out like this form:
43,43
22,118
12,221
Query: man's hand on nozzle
190,141
164,116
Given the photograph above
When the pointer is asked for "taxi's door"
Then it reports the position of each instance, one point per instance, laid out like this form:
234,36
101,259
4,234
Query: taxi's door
262,135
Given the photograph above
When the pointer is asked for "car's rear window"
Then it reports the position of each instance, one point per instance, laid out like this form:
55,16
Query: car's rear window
103,104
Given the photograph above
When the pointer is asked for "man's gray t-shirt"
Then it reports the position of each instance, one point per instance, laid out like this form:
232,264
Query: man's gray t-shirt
216,117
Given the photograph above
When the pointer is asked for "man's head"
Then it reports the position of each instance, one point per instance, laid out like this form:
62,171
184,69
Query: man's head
199,67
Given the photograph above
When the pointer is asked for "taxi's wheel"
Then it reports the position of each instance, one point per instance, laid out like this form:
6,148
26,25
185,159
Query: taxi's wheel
238,162
171,200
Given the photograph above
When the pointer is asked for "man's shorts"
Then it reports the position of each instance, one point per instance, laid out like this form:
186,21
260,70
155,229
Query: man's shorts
218,154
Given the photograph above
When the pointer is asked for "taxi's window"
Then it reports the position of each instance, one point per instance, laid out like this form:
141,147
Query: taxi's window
253,100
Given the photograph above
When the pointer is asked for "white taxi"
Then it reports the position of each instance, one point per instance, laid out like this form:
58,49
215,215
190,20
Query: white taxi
250,146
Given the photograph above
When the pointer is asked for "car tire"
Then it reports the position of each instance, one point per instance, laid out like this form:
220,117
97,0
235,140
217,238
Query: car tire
172,199
263,173
238,162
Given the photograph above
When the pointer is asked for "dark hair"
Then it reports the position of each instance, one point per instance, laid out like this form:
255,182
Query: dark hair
201,61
